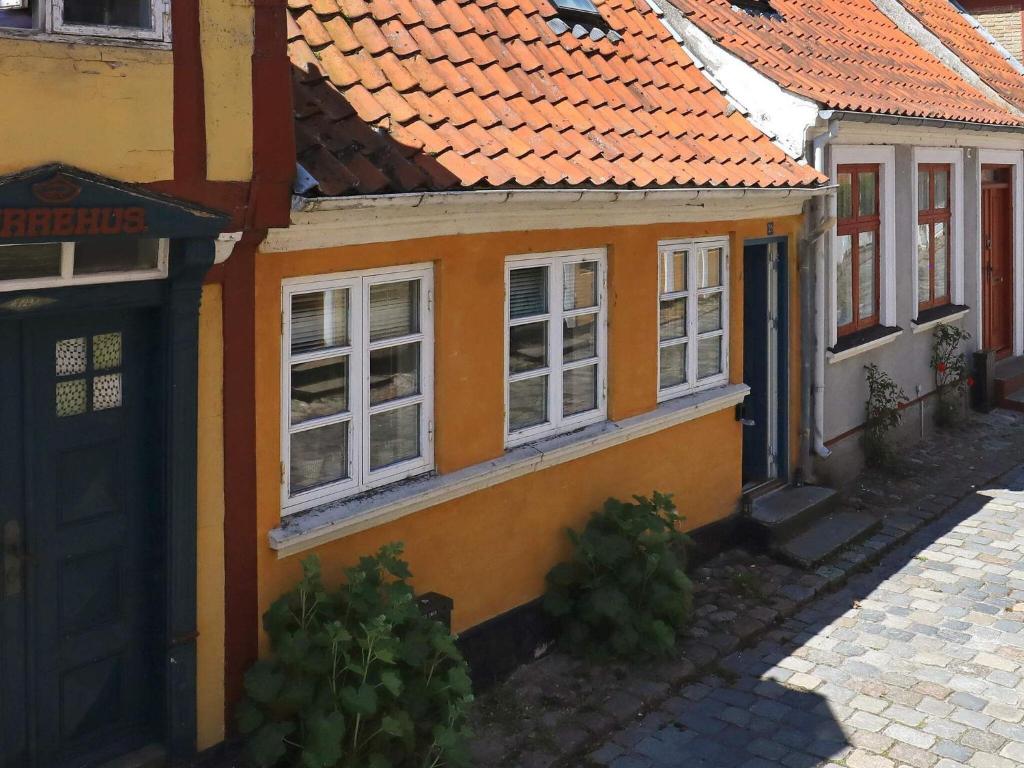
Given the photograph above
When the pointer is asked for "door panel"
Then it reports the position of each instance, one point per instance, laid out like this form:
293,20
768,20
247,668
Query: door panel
92,522
997,269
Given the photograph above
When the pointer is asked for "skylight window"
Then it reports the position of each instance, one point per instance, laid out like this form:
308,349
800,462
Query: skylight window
755,6
578,8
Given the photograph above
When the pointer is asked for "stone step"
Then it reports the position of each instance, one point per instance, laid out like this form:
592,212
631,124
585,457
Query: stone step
826,536
783,512
1009,378
1014,402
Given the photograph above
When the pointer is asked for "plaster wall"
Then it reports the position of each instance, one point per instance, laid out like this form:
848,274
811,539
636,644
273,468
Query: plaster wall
491,549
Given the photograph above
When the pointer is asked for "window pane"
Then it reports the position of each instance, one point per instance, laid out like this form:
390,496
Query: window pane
866,265
866,190
527,347
709,313
941,261
844,196
844,281
318,456
942,189
394,372
528,292
16,14
672,319
106,392
394,309
109,13
319,388
106,351
527,403
394,436
70,356
117,255
924,287
21,262
579,390
70,397
579,337
673,271
923,186
579,286
672,366
709,357
709,268
320,320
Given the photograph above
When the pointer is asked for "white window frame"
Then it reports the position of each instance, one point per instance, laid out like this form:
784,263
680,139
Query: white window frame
49,21
885,158
67,271
955,159
555,368
692,294
360,477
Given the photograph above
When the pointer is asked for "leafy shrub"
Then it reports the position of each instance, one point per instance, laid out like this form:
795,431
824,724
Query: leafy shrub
625,591
951,377
883,415
357,677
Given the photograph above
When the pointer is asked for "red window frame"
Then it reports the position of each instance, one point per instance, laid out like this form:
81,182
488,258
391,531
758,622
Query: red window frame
930,216
853,226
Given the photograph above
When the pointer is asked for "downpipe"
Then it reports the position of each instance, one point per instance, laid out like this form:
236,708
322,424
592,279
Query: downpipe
823,224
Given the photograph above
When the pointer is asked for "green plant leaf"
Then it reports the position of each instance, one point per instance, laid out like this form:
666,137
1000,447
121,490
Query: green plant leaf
263,682
267,745
392,682
323,744
248,716
359,701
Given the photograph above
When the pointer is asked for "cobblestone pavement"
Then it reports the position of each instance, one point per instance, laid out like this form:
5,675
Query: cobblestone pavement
918,662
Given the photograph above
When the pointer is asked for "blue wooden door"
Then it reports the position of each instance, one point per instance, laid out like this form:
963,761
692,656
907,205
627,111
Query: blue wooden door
83,537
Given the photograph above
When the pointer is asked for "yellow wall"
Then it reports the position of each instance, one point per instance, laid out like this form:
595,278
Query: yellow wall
109,108
490,550
210,523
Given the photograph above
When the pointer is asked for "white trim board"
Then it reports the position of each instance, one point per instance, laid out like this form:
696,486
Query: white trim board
885,157
314,527
953,157
1016,159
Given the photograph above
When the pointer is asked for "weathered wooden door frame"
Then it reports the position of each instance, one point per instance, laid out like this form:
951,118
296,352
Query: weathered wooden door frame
1015,159
988,317
178,299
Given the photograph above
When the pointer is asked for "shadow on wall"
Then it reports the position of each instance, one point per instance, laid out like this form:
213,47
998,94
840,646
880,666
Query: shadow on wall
348,156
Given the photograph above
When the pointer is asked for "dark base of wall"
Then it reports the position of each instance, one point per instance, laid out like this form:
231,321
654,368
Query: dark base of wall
497,647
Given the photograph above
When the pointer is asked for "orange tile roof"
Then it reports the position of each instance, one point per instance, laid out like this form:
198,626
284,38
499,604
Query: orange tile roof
845,55
948,23
427,95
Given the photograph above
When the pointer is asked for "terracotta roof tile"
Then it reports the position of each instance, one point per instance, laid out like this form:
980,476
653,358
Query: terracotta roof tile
956,31
408,95
848,55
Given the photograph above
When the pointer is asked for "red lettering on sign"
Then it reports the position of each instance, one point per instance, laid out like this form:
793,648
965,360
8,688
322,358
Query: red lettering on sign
39,220
110,221
14,223
134,221
63,221
87,221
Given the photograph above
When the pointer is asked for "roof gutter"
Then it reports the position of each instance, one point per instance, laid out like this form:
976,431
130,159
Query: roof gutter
930,122
688,195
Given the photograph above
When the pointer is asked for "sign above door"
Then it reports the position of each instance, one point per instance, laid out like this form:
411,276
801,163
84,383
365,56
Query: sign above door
58,202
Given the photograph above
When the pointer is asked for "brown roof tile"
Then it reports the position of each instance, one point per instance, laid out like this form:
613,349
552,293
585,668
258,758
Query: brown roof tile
407,95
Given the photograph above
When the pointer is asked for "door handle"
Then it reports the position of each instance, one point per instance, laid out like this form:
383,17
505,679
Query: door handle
14,559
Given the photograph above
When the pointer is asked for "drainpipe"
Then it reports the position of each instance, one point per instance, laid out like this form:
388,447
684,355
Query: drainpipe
818,158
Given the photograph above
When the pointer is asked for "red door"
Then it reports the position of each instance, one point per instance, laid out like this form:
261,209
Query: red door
997,260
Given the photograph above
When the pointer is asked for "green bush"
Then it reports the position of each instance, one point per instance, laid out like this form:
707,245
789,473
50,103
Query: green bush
883,415
951,378
357,678
625,591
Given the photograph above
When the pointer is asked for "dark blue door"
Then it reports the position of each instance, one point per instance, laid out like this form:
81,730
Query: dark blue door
82,562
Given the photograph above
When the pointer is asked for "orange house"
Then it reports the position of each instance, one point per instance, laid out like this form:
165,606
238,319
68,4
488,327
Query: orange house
514,284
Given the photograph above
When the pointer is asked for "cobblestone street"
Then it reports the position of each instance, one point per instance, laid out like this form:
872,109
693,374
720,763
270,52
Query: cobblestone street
917,662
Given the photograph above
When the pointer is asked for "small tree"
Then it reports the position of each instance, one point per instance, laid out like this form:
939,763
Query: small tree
883,415
625,591
951,377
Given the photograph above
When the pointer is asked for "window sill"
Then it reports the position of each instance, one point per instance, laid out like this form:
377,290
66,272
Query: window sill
862,341
38,36
937,316
305,530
